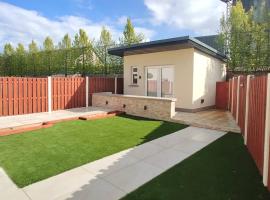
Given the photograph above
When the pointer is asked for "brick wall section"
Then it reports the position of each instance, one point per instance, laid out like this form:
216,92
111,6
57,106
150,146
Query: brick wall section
156,108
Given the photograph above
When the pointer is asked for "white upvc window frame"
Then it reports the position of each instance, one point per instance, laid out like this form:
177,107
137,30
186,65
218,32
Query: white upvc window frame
134,75
159,84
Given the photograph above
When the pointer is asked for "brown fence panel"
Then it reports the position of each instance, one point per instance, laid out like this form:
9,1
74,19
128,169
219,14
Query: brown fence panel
22,95
222,92
230,95
100,84
242,103
1,96
68,92
234,96
268,184
120,86
256,119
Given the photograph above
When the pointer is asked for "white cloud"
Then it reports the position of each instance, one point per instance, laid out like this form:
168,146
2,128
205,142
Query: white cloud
201,17
21,25
148,34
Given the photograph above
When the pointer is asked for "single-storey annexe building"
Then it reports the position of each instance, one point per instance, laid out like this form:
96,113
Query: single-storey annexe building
184,68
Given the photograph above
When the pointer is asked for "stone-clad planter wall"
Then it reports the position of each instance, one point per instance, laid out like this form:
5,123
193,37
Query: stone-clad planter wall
149,107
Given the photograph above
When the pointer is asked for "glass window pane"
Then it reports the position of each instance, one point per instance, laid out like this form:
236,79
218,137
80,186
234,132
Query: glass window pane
152,79
167,82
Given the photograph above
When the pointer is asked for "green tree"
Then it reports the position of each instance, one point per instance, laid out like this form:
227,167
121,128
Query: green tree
20,50
130,36
8,50
244,39
81,39
105,41
20,67
65,43
105,38
33,58
33,48
8,59
48,44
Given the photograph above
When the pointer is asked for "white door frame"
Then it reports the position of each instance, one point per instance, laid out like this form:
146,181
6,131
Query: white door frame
159,78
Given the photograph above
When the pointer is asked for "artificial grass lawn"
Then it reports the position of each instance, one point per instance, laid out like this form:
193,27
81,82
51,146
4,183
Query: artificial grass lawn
36,155
224,170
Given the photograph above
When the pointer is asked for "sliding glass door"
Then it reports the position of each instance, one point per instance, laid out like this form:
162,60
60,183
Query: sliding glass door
159,81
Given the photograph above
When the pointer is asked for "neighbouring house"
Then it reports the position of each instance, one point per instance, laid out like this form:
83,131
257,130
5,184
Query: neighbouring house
185,68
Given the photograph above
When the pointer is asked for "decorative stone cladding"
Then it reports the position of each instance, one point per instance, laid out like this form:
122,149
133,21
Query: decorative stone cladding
148,107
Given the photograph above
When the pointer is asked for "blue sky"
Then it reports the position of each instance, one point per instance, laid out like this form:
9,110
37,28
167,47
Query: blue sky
24,20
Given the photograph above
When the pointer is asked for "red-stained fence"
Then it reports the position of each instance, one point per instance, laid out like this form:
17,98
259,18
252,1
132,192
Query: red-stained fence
68,92
104,84
256,119
230,95
251,106
23,95
234,96
30,95
242,102
268,182
222,94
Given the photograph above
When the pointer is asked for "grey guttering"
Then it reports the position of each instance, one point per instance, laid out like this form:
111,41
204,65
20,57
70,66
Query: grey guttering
192,42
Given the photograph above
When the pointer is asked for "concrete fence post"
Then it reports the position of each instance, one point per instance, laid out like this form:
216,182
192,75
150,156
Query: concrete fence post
86,91
115,85
247,109
237,98
49,94
229,97
267,135
232,95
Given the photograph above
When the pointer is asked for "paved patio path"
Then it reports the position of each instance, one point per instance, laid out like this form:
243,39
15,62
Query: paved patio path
211,119
35,118
115,176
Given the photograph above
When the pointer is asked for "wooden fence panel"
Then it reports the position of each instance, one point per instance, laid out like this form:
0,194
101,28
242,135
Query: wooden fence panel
22,95
100,84
1,96
120,86
230,95
30,95
234,97
242,103
268,184
68,92
222,89
256,119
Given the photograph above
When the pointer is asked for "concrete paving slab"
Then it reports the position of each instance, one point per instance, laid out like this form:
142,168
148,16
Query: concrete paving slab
131,177
111,164
145,150
28,119
8,190
166,159
97,189
189,146
210,119
169,140
53,187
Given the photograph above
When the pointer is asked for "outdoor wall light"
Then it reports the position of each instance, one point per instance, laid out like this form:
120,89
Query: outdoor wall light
124,105
145,107
202,101
107,102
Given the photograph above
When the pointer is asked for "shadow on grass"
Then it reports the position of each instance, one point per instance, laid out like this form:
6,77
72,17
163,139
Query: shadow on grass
165,128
